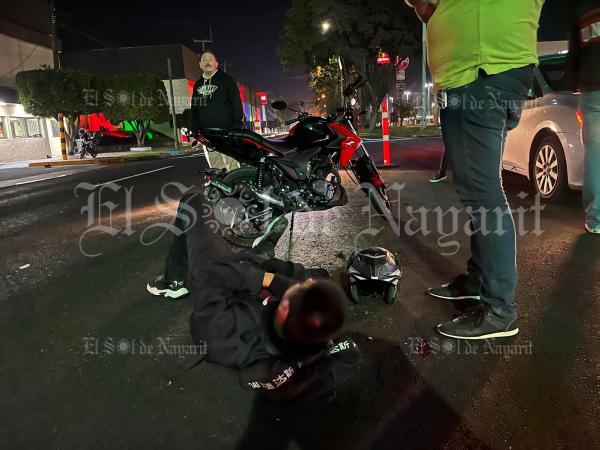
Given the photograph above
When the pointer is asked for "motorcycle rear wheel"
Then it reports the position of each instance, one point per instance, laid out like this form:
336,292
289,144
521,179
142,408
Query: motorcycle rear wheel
251,218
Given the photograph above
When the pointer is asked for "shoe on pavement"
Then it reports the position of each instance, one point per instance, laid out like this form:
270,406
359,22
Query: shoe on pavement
591,229
461,288
163,288
274,231
479,322
438,178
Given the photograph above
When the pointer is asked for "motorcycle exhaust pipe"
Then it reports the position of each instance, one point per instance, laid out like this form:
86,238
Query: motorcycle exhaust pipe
268,199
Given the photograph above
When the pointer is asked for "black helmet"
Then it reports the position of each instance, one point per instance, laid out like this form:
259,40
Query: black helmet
374,270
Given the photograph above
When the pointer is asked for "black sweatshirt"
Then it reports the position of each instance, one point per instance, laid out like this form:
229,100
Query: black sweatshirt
230,317
216,103
584,48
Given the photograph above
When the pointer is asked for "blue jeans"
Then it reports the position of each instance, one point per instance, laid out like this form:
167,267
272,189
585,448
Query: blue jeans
590,106
474,127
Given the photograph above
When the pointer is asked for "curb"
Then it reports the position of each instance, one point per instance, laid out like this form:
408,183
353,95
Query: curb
109,159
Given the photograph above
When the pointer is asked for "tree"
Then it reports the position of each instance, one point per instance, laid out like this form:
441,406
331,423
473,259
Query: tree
405,109
137,100
47,92
325,83
358,30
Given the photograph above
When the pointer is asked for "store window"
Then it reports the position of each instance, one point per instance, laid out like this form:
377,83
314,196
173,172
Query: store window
25,127
3,130
34,128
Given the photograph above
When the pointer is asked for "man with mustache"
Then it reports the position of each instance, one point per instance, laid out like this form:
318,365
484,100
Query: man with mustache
216,103
481,56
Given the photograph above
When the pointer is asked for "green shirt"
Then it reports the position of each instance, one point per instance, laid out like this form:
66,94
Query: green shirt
464,36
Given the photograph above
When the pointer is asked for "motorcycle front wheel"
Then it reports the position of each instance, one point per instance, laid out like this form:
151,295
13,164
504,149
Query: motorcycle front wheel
243,218
372,184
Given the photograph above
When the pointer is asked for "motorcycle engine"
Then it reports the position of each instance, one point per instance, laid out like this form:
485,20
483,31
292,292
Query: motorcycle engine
323,189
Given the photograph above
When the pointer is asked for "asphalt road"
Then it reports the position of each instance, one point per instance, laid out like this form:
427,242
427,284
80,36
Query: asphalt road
90,360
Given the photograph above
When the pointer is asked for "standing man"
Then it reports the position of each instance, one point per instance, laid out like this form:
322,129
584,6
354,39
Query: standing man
481,56
216,102
584,71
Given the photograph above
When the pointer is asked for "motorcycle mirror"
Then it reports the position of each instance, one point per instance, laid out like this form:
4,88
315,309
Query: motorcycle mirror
279,105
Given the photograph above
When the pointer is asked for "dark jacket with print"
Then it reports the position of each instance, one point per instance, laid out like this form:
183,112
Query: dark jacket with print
216,103
584,48
237,326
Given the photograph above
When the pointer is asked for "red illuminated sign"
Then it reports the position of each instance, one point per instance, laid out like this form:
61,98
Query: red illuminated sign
263,97
383,58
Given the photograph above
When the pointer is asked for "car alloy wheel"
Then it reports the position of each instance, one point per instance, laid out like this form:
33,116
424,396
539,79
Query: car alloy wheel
546,170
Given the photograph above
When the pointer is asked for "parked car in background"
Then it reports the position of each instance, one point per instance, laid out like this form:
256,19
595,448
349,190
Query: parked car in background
547,145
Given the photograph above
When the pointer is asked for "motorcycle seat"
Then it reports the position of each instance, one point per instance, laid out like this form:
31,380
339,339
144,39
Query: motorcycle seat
282,146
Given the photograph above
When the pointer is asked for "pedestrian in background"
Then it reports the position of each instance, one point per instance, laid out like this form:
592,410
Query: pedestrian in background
584,72
481,56
216,103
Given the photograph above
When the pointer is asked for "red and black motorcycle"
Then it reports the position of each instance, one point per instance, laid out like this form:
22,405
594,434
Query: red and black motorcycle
297,173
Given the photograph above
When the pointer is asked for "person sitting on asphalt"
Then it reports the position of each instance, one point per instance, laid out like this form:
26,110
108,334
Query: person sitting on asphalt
216,103
584,73
273,321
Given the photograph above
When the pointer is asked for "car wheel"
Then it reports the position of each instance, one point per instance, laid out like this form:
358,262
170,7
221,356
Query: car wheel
548,170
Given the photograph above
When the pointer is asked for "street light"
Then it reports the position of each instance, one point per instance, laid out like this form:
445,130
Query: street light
325,26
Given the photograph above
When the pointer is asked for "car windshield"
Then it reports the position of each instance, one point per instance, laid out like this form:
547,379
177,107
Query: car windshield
555,74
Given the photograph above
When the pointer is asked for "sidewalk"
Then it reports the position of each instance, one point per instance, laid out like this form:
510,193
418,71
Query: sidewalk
102,158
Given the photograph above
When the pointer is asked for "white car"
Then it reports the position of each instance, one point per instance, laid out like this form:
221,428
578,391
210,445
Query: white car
547,145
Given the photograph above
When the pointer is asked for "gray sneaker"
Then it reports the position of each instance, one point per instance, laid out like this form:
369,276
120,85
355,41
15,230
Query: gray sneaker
274,231
169,289
479,322
461,288
592,229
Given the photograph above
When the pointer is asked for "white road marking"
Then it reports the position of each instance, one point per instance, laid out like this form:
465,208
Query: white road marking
25,266
133,176
41,179
391,139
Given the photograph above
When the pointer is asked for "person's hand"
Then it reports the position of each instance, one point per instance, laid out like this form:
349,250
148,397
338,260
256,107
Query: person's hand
267,280
425,11
424,8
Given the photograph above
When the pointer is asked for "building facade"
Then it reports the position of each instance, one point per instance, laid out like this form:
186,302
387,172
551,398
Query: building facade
24,45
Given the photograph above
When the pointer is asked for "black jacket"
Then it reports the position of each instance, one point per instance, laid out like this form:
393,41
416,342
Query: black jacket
216,103
584,48
231,317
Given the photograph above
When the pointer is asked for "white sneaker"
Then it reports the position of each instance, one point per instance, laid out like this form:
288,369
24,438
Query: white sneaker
593,230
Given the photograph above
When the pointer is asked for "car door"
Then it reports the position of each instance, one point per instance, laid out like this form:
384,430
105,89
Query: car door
518,140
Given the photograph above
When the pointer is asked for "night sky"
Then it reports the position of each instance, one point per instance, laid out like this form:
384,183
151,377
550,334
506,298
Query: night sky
245,33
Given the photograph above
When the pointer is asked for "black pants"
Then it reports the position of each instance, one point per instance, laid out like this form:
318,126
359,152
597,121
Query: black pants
196,215
474,127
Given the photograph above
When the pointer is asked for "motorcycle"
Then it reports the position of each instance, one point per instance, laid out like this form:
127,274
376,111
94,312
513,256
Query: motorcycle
89,142
298,173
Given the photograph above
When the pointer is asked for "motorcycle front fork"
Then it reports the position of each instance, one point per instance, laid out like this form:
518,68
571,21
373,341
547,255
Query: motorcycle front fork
260,174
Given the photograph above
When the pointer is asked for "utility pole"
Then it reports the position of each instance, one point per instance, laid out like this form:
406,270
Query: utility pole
205,41
56,63
424,87
172,105
53,38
